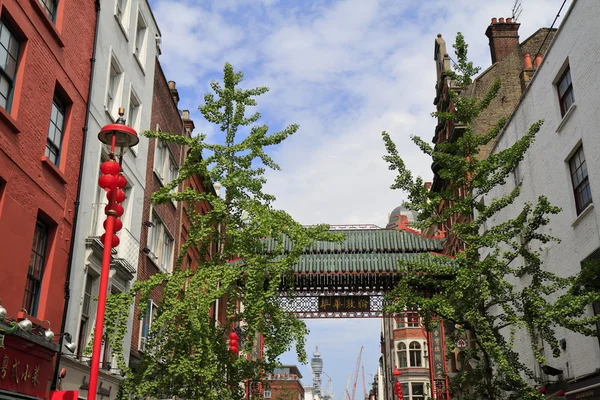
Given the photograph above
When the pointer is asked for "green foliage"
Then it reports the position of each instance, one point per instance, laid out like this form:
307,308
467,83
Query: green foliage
187,354
505,294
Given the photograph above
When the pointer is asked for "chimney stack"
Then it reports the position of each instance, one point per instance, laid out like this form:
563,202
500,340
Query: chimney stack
504,38
174,92
188,124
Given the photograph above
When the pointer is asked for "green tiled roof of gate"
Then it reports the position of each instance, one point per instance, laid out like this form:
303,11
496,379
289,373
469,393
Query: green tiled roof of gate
360,262
371,241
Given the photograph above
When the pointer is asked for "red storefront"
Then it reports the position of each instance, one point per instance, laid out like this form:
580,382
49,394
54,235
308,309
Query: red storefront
26,364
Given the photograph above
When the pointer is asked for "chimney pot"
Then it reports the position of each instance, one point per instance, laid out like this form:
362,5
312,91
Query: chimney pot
527,61
509,20
504,39
538,60
494,20
501,20
172,85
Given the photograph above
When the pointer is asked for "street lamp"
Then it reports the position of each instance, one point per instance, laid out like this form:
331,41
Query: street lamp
398,385
117,138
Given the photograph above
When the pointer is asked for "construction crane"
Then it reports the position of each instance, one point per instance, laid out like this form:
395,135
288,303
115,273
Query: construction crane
364,384
355,374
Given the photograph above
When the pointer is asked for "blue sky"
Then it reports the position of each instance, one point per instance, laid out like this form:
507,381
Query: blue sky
344,70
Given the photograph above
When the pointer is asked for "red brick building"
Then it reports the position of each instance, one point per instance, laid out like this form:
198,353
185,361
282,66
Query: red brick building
45,52
160,239
284,384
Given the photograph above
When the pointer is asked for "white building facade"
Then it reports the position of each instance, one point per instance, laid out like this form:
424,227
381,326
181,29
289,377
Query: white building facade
127,44
563,164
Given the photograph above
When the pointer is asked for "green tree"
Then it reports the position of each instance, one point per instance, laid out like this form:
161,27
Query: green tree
187,355
499,296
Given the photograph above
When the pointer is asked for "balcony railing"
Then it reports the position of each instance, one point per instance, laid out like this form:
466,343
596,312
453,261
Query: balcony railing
129,247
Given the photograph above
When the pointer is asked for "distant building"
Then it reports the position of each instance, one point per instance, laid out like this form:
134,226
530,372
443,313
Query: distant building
284,384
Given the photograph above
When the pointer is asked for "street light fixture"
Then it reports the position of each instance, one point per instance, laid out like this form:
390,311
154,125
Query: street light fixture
117,138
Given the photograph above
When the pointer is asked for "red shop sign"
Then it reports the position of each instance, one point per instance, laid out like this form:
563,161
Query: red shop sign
25,367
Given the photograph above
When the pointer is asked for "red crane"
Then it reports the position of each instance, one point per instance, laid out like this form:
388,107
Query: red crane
364,384
355,372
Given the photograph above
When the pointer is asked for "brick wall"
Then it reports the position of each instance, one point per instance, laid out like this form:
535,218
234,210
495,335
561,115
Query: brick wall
166,116
52,57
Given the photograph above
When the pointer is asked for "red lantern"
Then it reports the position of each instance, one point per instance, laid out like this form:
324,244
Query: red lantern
107,182
118,225
234,350
115,240
233,343
120,196
121,182
110,167
117,208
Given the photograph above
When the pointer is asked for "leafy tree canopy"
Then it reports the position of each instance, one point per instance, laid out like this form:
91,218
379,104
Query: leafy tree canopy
507,294
187,354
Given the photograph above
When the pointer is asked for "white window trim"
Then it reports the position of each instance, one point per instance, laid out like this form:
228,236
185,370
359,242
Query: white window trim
140,54
117,93
156,254
122,16
143,340
162,171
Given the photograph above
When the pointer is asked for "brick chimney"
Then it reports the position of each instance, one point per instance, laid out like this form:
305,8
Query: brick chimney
504,38
188,124
174,92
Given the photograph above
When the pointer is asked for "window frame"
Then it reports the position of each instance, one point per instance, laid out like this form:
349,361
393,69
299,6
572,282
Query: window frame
415,354
33,286
114,87
51,13
402,355
147,320
13,51
582,185
161,242
165,166
85,315
267,394
568,91
139,48
53,150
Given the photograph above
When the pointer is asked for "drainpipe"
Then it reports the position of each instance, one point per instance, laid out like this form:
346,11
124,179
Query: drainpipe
54,384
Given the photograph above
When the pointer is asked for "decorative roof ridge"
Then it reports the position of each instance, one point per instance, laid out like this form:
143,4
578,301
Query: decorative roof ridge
402,225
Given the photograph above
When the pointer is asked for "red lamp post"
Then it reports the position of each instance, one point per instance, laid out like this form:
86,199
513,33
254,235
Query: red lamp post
398,386
118,138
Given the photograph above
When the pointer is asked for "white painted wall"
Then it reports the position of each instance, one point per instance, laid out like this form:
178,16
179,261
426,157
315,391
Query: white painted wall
545,169
116,39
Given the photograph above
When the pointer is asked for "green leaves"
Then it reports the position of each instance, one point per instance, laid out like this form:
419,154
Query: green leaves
496,286
186,352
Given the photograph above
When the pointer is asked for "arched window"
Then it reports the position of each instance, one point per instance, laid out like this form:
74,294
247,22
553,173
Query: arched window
415,354
402,356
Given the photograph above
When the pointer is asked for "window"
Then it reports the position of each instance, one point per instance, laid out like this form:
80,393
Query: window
417,391
85,315
161,245
405,390
596,309
50,7
55,131
150,315
517,176
579,178
414,350
164,164
37,261
402,358
9,54
121,12
565,92
140,39
113,90
267,394
408,319
134,111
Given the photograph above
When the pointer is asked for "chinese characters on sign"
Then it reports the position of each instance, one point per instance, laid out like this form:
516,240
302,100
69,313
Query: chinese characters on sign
344,303
438,353
17,372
